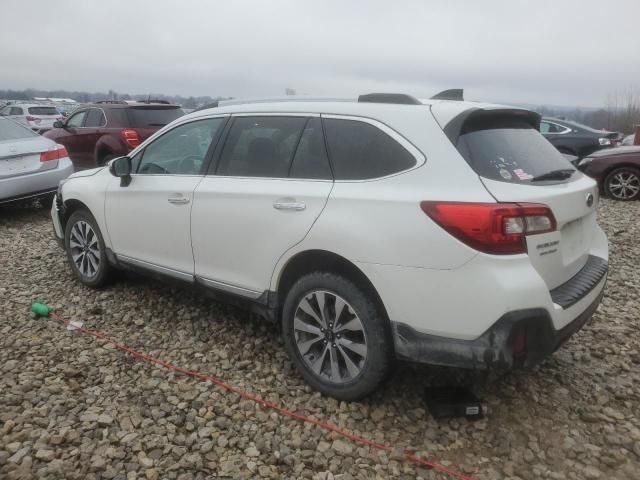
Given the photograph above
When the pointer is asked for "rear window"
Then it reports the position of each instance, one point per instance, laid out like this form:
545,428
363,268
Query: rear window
12,131
508,149
145,117
44,111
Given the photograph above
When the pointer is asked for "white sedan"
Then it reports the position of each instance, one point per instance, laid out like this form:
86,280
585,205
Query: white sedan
30,165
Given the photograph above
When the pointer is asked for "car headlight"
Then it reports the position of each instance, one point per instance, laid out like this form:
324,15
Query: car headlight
585,161
604,141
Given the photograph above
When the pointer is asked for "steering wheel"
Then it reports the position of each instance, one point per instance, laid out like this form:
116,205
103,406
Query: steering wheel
188,164
153,168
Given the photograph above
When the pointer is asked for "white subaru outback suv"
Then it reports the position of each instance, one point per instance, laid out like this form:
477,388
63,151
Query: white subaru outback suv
437,231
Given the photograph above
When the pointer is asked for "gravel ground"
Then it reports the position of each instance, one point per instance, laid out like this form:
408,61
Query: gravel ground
70,407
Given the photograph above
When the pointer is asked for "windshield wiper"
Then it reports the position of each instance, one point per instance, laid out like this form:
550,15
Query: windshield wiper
157,124
560,174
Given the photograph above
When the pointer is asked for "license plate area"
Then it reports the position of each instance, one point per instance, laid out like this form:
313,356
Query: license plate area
19,165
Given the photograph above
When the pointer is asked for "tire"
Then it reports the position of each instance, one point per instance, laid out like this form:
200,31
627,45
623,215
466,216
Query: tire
623,184
90,264
357,374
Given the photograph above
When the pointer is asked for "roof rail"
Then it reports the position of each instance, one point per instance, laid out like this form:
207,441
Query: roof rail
154,100
118,102
451,94
400,98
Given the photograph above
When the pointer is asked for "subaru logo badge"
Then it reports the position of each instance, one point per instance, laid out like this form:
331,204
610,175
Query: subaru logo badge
590,200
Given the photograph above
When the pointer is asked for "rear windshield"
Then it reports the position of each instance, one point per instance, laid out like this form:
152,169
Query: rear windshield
508,149
12,131
44,111
145,117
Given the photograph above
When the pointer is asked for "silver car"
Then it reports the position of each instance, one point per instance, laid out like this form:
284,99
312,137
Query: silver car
30,165
37,117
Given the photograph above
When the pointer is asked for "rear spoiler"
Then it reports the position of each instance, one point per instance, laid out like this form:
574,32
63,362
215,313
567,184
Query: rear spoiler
459,123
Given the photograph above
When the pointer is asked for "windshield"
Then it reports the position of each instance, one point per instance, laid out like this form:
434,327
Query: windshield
12,131
508,149
145,117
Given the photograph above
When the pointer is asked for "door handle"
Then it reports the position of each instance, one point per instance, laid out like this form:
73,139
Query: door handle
178,200
297,206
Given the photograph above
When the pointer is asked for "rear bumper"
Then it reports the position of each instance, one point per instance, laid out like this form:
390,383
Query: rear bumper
518,339
34,184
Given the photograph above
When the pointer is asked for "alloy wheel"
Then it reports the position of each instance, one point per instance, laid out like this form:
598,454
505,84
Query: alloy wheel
330,337
624,185
85,249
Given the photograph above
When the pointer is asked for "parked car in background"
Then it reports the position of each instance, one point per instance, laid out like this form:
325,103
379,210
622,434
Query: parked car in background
30,165
95,133
617,171
573,138
628,140
357,227
37,117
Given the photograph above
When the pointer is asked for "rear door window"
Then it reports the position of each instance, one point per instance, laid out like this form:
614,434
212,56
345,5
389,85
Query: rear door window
16,111
310,160
508,149
361,151
43,111
260,146
150,117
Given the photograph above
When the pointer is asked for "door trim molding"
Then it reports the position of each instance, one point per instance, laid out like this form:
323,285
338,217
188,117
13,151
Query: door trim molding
226,287
156,268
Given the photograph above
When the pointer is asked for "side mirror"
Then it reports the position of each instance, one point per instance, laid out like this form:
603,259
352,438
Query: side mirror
121,167
58,124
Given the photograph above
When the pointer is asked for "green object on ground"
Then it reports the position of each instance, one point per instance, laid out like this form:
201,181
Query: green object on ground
41,309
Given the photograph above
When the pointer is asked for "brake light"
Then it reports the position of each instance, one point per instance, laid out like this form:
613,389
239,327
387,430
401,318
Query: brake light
130,137
32,119
496,228
54,153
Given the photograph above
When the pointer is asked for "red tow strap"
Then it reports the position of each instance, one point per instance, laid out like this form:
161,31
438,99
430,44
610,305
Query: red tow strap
265,403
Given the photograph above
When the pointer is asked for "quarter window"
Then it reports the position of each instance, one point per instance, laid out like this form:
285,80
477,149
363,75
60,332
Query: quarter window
180,151
311,159
360,151
260,146
16,111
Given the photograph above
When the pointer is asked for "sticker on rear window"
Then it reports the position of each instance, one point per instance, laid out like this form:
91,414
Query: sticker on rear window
504,173
522,175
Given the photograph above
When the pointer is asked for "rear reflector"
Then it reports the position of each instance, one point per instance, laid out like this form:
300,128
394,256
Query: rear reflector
54,153
130,137
496,228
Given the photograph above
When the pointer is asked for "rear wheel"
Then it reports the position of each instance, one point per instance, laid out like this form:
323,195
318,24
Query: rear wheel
623,184
335,335
86,250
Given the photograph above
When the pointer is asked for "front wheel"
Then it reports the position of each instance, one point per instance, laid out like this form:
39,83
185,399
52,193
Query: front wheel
86,250
623,184
335,335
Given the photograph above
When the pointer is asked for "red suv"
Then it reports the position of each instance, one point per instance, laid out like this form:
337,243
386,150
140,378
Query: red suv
96,133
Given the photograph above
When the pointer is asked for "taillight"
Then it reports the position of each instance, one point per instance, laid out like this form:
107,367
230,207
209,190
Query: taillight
496,228
130,137
32,119
54,153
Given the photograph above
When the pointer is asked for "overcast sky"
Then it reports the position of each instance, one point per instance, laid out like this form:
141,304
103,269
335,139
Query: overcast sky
563,52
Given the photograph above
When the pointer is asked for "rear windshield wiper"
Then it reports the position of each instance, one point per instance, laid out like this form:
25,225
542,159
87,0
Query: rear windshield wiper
560,174
157,125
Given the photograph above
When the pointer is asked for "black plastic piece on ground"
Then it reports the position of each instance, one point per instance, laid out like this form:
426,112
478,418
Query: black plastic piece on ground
444,402
399,98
